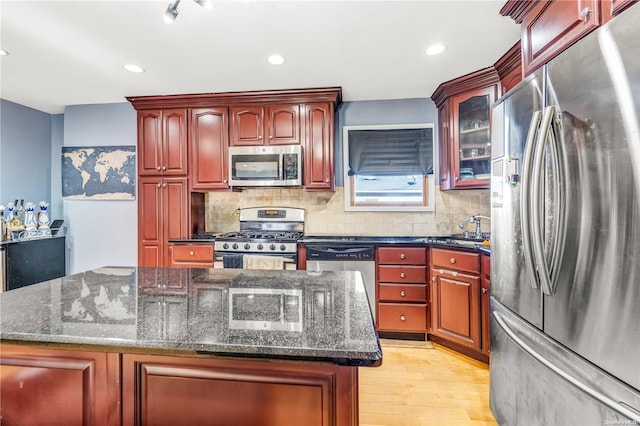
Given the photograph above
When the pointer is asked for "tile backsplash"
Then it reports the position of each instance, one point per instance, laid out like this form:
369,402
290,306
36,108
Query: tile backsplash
326,215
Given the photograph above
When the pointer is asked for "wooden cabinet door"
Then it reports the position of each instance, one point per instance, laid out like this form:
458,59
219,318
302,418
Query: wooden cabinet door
247,126
470,144
175,219
318,147
162,142
58,387
283,124
149,142
150,213
444,148
174,136
456,307
208,167
552,26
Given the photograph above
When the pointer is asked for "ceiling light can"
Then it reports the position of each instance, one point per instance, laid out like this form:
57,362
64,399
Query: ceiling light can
133,68
275,59
435,49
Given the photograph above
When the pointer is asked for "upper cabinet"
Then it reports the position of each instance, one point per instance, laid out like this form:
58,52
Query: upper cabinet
265,125
464,106
549,27
318,149
208,142
162,142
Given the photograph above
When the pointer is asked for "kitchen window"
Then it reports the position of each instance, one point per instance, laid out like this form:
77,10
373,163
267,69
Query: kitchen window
389,167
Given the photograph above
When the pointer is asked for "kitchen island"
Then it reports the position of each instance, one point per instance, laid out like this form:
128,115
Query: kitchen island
121,345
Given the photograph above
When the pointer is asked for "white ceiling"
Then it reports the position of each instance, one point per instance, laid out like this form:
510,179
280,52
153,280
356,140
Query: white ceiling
72,52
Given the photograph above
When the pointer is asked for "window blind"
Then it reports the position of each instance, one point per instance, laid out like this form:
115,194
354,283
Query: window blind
391,152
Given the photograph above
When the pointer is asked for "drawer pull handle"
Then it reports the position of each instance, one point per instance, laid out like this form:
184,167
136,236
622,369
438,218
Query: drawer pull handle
402,318
452,260
191,253
401,274
403,294
402,256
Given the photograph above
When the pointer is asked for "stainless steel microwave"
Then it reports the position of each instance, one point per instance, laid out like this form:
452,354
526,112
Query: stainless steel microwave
265,309
279,165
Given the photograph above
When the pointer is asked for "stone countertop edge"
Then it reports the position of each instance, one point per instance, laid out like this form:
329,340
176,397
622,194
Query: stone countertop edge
111,308
378,240
28,240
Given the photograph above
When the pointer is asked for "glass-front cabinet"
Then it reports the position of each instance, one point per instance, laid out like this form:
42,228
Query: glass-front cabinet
471,124
464,108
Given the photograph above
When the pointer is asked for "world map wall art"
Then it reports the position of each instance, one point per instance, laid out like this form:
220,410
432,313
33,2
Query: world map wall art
99,172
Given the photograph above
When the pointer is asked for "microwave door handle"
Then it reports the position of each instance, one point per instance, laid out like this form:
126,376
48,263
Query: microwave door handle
525,197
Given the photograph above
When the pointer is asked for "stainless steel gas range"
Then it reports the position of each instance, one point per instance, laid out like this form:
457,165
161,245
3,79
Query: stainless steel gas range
264,231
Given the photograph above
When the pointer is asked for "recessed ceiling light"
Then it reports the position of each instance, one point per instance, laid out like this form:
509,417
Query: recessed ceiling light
275,60
3,52
435,49
133,68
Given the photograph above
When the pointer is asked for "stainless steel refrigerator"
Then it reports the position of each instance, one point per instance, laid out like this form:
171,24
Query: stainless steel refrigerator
565,237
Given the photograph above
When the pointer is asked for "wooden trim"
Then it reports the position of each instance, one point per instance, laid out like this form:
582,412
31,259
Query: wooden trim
510,61
315,95
518,9
472,81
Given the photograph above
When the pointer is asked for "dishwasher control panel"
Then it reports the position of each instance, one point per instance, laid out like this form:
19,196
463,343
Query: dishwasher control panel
340,252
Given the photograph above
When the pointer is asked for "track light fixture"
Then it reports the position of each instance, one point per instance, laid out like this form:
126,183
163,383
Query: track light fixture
171,13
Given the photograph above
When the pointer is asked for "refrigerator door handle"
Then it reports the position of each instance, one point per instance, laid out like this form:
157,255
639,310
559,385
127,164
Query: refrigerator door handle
620,407
525,197
537,237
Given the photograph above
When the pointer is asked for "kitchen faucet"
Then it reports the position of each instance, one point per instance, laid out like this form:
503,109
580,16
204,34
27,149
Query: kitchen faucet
477,219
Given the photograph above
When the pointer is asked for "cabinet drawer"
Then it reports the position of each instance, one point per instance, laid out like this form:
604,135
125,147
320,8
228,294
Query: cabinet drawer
402,274
454,259
193,254
410,317
402,255
403,292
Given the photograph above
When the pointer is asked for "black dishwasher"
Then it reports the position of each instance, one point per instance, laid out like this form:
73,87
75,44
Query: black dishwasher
346,257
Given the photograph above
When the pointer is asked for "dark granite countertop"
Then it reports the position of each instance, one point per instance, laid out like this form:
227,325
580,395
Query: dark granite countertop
27,240
195,311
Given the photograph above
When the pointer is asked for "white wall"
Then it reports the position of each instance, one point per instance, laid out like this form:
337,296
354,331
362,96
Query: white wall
102,232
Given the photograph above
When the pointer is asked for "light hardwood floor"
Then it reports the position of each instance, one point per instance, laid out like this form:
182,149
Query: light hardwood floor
425,387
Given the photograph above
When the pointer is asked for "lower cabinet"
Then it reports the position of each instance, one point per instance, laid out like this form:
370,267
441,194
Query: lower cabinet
198,391
402,293
455,298
57,387
74,387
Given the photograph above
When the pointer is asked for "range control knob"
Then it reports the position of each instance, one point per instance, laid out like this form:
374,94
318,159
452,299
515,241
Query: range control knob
234,246
260,246
283,247
272,247
225,246
247,246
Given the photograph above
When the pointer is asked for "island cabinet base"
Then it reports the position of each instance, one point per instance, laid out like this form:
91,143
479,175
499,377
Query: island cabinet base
163,390
58,387
74,387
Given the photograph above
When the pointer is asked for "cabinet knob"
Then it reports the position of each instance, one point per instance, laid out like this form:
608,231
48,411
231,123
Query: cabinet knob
433,278
402,256
584,13
401,274
164,185
158,168
164,168
191,253
259,137
402,293
402,318
485,291
270,136
327,180
158,185
452,260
